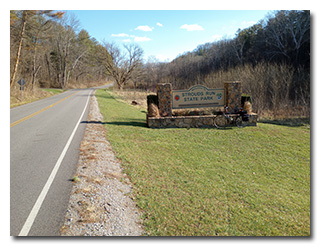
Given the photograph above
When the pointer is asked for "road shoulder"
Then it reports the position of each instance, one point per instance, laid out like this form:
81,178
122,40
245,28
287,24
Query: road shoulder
99,203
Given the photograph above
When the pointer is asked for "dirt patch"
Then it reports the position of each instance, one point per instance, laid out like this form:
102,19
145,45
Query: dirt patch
99,204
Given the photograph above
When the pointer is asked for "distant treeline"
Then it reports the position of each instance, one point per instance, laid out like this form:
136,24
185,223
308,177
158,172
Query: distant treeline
48,49
271,58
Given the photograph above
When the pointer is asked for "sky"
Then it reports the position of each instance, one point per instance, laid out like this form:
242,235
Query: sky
165,34
163,43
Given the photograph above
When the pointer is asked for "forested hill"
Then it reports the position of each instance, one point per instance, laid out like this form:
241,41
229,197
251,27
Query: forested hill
271,58
49,49
280,39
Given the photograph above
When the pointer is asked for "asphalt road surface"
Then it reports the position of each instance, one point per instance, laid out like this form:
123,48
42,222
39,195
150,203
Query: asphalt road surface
45,138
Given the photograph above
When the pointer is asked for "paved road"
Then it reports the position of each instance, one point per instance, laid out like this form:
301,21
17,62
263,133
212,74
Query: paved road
44,148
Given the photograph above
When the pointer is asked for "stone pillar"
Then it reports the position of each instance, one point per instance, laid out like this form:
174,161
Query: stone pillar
233,92
164,92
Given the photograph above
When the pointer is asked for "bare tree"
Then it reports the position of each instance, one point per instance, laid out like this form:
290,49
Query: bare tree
24,21
26,16
287,33
64,39
39,31
121,65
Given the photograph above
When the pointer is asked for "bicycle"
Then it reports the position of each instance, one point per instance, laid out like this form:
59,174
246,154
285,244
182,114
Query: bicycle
239,118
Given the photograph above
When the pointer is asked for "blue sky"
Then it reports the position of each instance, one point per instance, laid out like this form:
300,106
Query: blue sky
165,34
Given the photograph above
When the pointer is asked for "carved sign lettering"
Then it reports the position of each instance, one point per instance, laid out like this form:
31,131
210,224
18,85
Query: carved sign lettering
198,96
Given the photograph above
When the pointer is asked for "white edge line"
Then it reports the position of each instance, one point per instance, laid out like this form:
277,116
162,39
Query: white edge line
34,212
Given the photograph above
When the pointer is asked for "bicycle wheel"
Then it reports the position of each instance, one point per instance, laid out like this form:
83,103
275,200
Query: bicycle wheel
220,122
240,123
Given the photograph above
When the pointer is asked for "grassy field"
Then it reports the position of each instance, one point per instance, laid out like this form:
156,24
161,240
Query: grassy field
253,181
31,96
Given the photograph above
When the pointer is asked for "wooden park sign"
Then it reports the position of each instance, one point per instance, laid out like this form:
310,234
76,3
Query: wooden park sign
198,96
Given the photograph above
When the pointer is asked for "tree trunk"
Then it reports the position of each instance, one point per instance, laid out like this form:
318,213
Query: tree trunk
65,81
34,75
48,67
34,70
15,68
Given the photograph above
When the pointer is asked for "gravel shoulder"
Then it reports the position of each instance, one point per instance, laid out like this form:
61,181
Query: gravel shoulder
100,203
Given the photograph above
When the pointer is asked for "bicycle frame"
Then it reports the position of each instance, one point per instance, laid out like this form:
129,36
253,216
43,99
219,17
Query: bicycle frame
225,119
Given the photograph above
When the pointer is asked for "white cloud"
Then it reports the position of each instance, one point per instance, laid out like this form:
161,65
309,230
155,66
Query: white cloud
248,23
135,39
144,28
159,24
120,35
141,39
193,27
165,58
215,37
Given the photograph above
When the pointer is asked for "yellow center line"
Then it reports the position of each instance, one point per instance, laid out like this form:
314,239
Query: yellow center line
38,112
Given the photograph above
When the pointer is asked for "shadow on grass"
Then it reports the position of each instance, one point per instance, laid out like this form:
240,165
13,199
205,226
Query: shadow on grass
293,122
119,123
105,95
128,123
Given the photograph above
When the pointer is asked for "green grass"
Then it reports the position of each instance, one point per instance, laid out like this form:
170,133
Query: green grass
54,91
253,181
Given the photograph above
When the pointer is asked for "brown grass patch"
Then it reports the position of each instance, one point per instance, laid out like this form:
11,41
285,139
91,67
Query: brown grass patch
29,95
91,157
139,96
113,175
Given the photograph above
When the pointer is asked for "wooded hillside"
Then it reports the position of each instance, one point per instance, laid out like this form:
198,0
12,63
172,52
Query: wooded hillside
270,58
49,50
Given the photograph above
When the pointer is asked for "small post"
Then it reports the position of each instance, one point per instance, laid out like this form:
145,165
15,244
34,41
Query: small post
21,82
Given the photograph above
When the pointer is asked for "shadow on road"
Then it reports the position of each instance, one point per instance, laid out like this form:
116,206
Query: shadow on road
92,122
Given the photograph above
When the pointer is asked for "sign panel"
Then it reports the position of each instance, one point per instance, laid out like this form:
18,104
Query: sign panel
22,82
198,96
